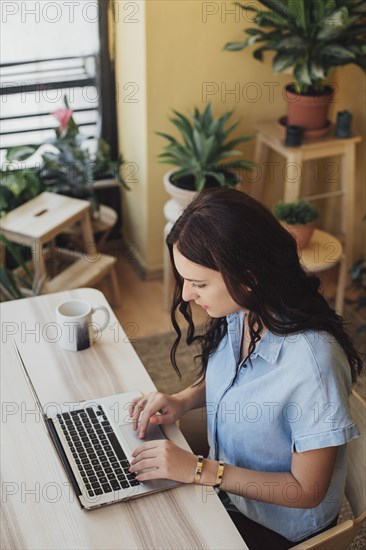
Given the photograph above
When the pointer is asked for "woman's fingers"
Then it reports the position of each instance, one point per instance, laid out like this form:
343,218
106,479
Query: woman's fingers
143,408
163,459
148,413
136,411
154,408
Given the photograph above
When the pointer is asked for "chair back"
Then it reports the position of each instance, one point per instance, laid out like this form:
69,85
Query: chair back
341,536
356,459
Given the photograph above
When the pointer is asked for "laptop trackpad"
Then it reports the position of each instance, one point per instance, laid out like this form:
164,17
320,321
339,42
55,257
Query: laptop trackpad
132,438
133,441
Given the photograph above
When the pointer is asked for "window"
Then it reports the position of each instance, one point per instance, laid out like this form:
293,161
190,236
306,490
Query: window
52,49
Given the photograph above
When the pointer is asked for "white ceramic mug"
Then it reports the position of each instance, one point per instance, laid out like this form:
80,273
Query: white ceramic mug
75,324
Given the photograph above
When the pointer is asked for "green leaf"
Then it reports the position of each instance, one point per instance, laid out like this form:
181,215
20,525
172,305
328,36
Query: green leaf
329,5
317,71
258,53
238,164
16,253
234,142
207,116
15,181
318,10
7,282
254,32
337,18
270,19
302,75
218,176
199,181
277,6
166,136
292,43
246,8
337,52
21,152
297,12
283,60
235,46
181,174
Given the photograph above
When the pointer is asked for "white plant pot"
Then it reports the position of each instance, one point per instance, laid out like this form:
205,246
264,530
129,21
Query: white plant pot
181,196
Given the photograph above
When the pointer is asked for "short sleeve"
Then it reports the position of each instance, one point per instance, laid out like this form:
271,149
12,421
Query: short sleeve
319,415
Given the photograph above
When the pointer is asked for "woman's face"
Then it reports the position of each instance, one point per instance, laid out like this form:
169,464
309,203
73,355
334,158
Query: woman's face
205,286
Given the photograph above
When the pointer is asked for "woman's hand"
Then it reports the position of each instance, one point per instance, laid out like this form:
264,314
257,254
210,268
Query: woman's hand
156,408
162,459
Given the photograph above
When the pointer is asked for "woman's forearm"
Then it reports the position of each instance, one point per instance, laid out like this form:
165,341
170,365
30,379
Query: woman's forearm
280,488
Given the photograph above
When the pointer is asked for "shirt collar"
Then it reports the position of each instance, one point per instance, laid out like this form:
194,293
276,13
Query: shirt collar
268,347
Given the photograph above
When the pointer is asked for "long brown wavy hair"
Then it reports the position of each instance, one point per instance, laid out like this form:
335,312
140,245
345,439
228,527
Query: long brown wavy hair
230,232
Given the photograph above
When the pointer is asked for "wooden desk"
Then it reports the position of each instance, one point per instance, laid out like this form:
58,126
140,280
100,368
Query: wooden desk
39,507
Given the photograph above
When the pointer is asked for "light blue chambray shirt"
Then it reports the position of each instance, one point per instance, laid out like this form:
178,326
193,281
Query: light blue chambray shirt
293,395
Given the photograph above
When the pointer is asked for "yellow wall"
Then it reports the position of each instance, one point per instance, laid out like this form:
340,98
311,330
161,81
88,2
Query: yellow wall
174,52
352,97
132,122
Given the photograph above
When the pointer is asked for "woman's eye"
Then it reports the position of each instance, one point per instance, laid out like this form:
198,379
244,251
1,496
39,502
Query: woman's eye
194,285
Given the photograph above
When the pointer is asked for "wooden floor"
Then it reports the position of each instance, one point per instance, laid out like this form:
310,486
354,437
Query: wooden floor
141,312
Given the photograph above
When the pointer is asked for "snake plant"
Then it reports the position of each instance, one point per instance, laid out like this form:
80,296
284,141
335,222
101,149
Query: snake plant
311,36
204,154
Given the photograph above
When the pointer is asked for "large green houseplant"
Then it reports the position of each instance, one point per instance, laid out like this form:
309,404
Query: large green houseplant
311,37
204,156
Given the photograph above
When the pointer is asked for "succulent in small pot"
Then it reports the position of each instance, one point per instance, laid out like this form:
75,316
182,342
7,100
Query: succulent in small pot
299,220
204,156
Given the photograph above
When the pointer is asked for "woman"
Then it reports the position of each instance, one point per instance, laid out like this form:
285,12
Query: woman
277,368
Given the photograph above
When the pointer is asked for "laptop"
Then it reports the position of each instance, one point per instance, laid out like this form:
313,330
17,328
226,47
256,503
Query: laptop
94,440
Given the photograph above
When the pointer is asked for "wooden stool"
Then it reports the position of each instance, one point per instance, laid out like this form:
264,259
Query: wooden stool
271,136
101,225
39,221
323,252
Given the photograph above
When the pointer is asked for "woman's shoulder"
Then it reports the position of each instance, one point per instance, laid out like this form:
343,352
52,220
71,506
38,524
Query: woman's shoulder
317,353
312,345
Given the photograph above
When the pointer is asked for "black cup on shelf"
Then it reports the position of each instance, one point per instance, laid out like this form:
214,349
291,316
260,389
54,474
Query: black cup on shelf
343,127
294,136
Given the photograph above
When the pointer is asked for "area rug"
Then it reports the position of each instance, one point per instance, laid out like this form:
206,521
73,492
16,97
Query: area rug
154,351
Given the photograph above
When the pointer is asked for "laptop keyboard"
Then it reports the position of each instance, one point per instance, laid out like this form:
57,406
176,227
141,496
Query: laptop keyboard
98,454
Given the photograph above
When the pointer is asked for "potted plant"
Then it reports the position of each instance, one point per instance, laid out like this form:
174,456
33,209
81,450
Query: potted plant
68,166
298,218
17,187
312,38
20,282
204,156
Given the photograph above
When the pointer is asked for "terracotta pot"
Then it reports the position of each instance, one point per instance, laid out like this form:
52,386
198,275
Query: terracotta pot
302,233
308,111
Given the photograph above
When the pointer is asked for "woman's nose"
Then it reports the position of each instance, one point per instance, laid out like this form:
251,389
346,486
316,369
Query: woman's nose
188,293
